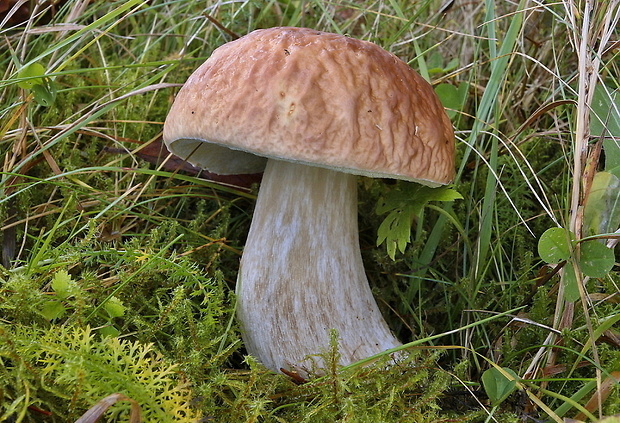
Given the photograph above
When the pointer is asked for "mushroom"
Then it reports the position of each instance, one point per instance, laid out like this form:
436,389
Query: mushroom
313,109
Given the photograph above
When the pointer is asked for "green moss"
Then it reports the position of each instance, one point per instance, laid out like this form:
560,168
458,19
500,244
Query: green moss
66,371
414,390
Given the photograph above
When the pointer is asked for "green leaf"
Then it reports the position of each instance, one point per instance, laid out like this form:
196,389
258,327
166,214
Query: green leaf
452,98
605,122
53,310
555,245
435,64
403,204
62,284
571,284
114,307
602,210
44,94
605,112
109,331
32,71
596,260
43,89
612,155
497,386
395,230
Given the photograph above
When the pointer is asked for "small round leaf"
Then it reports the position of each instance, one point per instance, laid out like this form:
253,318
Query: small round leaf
44,94
571,284
596,260
33,71
497,386
555,245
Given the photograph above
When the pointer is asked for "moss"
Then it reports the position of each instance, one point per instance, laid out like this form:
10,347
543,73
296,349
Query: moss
409,391
66,371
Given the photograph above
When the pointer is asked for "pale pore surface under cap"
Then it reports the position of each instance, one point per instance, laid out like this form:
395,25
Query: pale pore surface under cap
312,97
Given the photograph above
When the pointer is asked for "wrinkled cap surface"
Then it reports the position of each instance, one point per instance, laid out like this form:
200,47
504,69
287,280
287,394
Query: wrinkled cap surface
311,97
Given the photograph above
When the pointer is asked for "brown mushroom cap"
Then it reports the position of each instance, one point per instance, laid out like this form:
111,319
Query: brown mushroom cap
311,97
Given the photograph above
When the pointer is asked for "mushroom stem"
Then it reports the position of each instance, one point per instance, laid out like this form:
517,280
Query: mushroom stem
302,274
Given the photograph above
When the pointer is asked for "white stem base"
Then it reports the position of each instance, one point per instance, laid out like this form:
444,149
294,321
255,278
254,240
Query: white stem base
302,274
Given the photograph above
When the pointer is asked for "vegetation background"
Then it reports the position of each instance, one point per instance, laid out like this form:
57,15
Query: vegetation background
118,269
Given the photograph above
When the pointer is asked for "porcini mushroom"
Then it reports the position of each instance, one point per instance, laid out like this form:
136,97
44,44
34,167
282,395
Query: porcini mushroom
313,109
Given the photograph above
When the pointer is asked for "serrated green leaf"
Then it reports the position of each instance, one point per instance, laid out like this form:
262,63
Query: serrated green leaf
444,194
396,230
555,245
114,307
497,386
62,284
109,331
53,310
403,204
596,260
